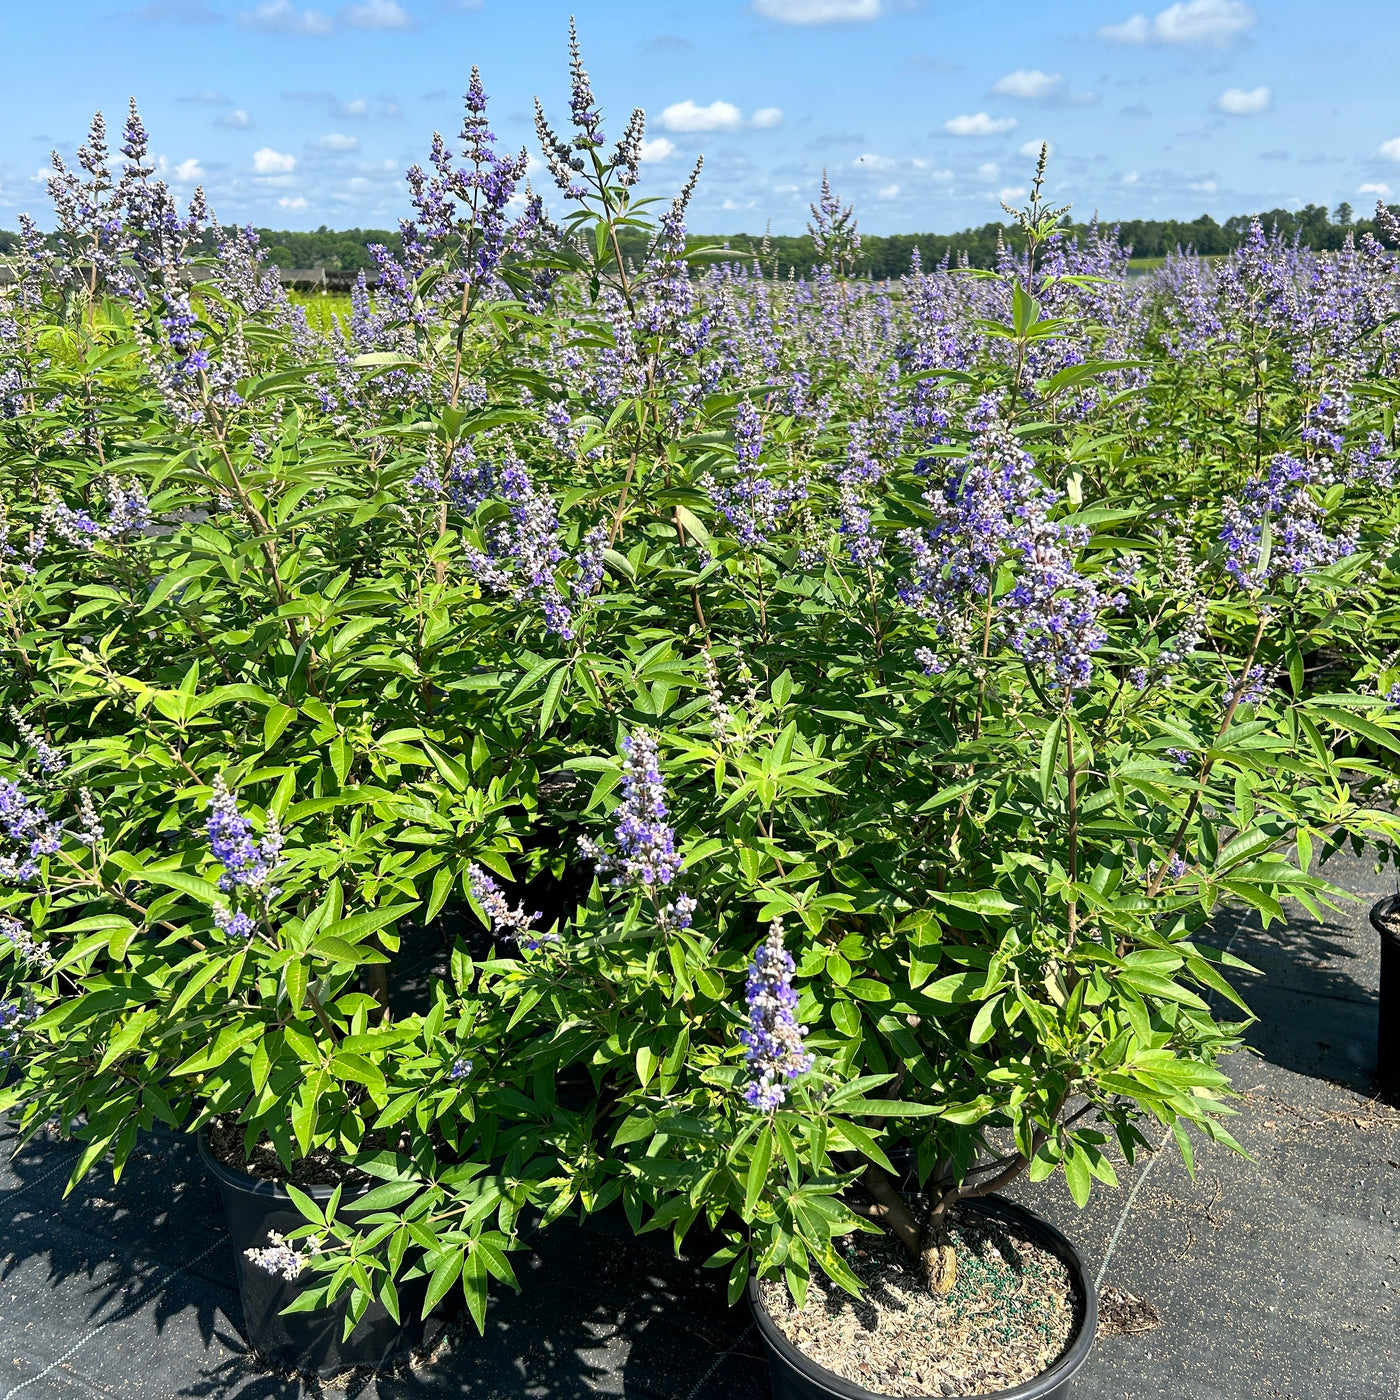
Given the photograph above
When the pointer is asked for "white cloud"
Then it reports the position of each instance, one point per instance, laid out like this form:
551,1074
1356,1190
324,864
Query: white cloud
888,191
1218,22
282,17
1009,192
1029,83
1137,30
690,116
188,171
874,162
1205,186
659,148
988,171
1131,178
270,162
979,124
339,141
817,11
238,119
375,14
1241,102
355,107
292,201
1390,149
1031,149
766,118
1376,187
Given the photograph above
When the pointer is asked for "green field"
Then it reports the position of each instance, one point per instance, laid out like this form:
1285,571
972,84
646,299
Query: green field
323,307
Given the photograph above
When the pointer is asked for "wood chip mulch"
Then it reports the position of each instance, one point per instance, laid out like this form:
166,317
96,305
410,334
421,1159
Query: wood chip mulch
1011,1314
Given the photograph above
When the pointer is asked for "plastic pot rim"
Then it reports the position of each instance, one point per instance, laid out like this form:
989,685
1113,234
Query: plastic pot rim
273,1190
1046,1383
1389,905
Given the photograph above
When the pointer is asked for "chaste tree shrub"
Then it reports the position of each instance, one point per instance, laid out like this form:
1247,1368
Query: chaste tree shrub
832,715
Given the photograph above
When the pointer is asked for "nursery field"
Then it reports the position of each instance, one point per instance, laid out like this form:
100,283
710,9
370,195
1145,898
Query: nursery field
322,309
567,747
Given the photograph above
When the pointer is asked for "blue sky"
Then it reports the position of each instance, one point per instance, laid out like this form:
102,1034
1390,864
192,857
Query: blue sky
925,112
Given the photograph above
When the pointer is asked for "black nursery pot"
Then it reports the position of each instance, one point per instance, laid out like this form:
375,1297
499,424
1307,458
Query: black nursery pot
1388,1037
797,1377
308,1341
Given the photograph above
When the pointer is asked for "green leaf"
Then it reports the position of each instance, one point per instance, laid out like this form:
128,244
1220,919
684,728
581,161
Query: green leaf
186,884
340,756
353,929
738,1277
758,1170
984,1023
474,1290
305,1204
275,722
444,1276
1077,1177
551,698
298,977
861,1140
442,887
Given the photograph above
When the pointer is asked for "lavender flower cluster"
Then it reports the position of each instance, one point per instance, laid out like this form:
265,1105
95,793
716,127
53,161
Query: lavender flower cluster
754,504
522,552
991,512
1283,500
13,1019
283,1259
34,833
644,843
514,923
247,862
774,1039
27,948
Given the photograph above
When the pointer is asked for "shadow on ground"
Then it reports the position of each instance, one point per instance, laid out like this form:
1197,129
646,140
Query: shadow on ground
1314,985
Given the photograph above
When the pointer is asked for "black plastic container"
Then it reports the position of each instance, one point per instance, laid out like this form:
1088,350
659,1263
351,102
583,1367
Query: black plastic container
1388,1036
309,1341
797,1377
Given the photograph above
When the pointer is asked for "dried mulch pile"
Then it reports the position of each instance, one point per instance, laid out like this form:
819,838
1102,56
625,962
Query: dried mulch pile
1010,1315
1124,1314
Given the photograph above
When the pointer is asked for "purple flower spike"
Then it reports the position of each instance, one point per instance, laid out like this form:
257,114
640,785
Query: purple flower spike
774,1038
514,923
247,863
646,845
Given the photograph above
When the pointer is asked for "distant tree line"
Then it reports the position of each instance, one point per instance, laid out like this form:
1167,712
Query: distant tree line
881,255
889,255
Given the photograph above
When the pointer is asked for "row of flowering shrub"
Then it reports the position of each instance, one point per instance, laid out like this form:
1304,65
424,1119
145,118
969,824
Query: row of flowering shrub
828,714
